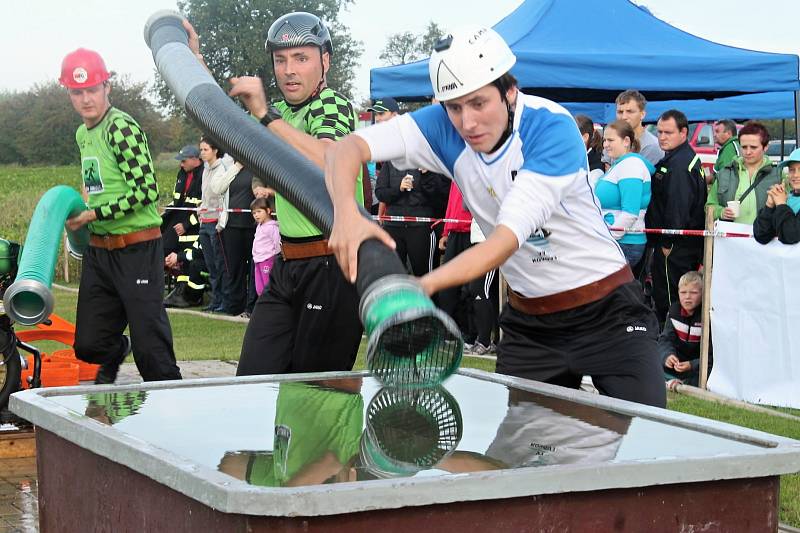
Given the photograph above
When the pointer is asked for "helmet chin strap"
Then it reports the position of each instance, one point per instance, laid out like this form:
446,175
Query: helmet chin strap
509,126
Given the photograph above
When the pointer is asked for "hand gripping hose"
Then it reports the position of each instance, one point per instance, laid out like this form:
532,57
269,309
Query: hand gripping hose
410,341
28,300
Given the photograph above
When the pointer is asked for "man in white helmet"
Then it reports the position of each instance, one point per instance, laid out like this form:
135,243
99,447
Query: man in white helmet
519,160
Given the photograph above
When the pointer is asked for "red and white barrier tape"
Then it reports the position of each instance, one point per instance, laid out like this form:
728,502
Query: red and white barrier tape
684,232
434,221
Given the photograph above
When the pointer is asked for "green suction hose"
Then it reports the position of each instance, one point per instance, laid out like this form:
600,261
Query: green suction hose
28,300
411,342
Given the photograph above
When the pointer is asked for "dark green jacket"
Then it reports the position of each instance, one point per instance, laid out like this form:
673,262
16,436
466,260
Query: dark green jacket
727,153
724,187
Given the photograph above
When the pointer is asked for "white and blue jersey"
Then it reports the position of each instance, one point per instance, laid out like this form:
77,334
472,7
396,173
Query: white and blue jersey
536,185
624,194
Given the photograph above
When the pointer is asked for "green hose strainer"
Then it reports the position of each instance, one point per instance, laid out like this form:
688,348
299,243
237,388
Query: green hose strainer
410,342
409,430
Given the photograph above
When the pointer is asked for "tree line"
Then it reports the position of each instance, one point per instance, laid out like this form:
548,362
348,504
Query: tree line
39,124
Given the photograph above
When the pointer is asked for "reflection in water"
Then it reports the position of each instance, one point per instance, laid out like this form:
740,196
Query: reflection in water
319,439
538,431
113,407
409,430
301,433
316,440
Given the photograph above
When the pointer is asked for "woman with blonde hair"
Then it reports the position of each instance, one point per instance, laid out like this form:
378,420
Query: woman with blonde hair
624,191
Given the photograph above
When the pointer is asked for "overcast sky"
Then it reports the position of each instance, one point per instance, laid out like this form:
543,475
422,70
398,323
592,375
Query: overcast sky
37,34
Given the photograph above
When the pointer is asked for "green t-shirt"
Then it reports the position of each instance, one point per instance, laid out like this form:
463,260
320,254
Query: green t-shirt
309,421
727,153
118,174
328,116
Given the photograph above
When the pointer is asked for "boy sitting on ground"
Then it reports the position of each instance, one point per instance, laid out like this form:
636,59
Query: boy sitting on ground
680,341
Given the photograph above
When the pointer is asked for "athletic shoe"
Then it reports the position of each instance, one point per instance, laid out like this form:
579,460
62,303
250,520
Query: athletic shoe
468,347
107,373
480,349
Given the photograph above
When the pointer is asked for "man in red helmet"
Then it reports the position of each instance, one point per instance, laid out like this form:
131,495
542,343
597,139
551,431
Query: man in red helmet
122,282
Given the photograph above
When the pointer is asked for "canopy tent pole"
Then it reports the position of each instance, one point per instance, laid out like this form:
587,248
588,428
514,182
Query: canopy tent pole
783,134
796,116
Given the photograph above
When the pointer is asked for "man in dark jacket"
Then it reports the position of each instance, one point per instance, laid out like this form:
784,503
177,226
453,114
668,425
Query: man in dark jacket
408,193
678,196
180,228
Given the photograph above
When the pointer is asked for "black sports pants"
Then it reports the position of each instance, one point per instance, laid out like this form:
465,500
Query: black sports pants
613,340
485,303
416,243
239,267
305,321
119,288
456,301
666,273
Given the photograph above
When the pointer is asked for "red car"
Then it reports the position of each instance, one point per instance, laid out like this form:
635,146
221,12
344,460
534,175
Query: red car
701,138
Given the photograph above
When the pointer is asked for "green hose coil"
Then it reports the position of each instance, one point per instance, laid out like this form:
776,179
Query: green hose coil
28,300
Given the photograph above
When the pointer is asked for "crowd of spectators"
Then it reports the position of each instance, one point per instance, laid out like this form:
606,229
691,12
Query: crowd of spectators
642,181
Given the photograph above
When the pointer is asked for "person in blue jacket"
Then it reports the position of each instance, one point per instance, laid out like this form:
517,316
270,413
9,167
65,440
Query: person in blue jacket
624,191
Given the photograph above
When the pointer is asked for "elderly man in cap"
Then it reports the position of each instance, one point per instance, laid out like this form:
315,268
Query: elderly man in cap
179,226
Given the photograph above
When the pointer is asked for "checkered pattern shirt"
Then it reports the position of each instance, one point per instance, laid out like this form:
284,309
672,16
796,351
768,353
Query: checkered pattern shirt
118,174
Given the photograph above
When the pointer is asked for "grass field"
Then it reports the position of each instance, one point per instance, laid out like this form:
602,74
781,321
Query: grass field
198,338
21,188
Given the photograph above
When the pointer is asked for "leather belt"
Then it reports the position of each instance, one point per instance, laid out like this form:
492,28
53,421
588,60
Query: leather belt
572,298
115,242
304,250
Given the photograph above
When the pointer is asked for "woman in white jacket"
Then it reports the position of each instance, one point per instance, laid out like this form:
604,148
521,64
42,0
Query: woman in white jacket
211,207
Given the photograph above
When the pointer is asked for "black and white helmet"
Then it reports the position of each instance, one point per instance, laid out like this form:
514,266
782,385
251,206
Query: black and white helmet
298,29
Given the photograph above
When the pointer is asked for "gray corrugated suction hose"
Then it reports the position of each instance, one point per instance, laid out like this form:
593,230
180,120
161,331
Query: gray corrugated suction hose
414,339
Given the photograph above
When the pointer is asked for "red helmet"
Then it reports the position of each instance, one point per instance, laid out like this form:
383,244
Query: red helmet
83,68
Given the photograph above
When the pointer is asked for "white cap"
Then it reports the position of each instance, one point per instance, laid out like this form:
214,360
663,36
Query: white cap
466,60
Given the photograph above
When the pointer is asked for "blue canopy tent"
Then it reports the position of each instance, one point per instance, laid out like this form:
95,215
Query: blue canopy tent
557,60
758,105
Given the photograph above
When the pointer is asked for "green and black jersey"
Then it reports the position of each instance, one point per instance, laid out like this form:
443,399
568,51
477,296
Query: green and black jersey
309,422
327,116
118,174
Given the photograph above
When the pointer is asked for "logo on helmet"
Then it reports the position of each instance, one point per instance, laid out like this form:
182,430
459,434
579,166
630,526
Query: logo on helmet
445,79
80,75
477,36
285,37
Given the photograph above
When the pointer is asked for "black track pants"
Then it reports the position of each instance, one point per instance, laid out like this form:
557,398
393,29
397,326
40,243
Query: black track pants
416,243
666,273
305,321
484,293
612,340
238,261
121,288
456,301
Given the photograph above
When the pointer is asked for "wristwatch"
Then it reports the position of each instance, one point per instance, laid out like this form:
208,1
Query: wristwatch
272,114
